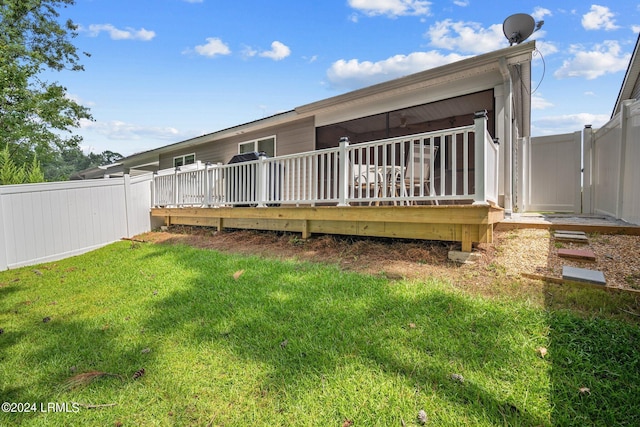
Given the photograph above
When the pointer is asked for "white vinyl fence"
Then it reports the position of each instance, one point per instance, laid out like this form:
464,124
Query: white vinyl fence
50,221
613,186
589,172
554,181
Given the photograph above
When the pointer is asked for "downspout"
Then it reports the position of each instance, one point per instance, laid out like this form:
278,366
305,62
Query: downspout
508,136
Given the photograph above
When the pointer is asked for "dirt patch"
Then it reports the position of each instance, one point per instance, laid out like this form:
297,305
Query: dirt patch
512,253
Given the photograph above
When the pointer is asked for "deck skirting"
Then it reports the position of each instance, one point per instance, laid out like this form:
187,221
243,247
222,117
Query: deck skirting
462,223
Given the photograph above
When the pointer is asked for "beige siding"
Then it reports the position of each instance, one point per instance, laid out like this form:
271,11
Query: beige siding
293,137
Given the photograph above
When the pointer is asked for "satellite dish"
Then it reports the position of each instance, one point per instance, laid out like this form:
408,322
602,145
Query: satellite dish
517,28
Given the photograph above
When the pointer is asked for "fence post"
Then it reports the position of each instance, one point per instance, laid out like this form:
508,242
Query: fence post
343,172
480,154
4,262
261,181
154,191
127,204
587,170
624,129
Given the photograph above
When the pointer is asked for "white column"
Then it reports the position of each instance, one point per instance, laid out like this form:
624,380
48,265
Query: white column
480,154
343,172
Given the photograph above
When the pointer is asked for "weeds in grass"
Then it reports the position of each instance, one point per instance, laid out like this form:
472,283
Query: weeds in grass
85,378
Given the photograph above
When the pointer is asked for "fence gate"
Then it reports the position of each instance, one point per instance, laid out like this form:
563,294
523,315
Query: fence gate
554,180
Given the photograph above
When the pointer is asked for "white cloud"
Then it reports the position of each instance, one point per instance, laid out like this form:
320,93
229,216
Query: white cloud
468,37
604,58
539,103
278,51
118,130
546,48
354,73
391,8
600,18
78,100
213,47
118,34
310,59
553,125
540,12
461,3
249,52
635,28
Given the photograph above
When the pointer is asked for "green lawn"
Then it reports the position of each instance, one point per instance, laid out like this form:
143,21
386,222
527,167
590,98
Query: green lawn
299,344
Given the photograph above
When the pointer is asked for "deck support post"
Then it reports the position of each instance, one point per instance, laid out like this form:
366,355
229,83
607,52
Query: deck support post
467,244
343,172
305,230
480,154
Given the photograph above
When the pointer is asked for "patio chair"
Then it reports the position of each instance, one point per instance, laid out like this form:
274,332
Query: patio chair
365,179
417,169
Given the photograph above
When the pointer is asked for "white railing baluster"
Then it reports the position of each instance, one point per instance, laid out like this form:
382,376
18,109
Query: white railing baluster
389,171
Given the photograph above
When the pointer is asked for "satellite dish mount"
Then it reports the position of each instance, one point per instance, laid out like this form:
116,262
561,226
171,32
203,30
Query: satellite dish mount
519,27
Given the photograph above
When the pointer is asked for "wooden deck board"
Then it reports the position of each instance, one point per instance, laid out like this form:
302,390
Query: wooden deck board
465,224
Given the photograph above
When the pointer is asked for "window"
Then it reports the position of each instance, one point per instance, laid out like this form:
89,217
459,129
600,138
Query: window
187,159
267,145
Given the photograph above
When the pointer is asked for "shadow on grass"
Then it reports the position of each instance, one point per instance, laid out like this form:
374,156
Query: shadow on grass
307,326
287,338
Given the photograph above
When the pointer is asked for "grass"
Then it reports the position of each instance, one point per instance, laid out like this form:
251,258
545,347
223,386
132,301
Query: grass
288,343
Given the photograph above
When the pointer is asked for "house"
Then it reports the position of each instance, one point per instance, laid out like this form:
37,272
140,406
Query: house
439,106
435,99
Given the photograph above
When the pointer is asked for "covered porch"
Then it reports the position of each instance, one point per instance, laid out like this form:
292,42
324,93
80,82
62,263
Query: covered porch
440,185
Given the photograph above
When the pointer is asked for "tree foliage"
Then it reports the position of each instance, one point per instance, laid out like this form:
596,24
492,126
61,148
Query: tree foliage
36,117
64,163
11,173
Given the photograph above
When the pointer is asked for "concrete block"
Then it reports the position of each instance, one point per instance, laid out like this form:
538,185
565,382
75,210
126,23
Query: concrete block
464,257
583,275
579,233
575,238
586,254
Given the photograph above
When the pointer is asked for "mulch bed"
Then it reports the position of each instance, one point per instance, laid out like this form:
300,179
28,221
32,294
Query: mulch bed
513,252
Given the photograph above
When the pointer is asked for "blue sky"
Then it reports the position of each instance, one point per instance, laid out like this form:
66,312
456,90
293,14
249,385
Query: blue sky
162,71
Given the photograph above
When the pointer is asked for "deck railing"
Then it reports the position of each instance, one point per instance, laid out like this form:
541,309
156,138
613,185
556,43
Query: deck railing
423,168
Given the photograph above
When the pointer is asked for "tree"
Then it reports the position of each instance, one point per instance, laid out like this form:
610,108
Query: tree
10,173
36,117
64,163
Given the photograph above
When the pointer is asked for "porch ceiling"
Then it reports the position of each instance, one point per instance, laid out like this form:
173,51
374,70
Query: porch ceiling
424,113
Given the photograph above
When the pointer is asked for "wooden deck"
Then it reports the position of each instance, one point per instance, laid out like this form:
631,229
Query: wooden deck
466,224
